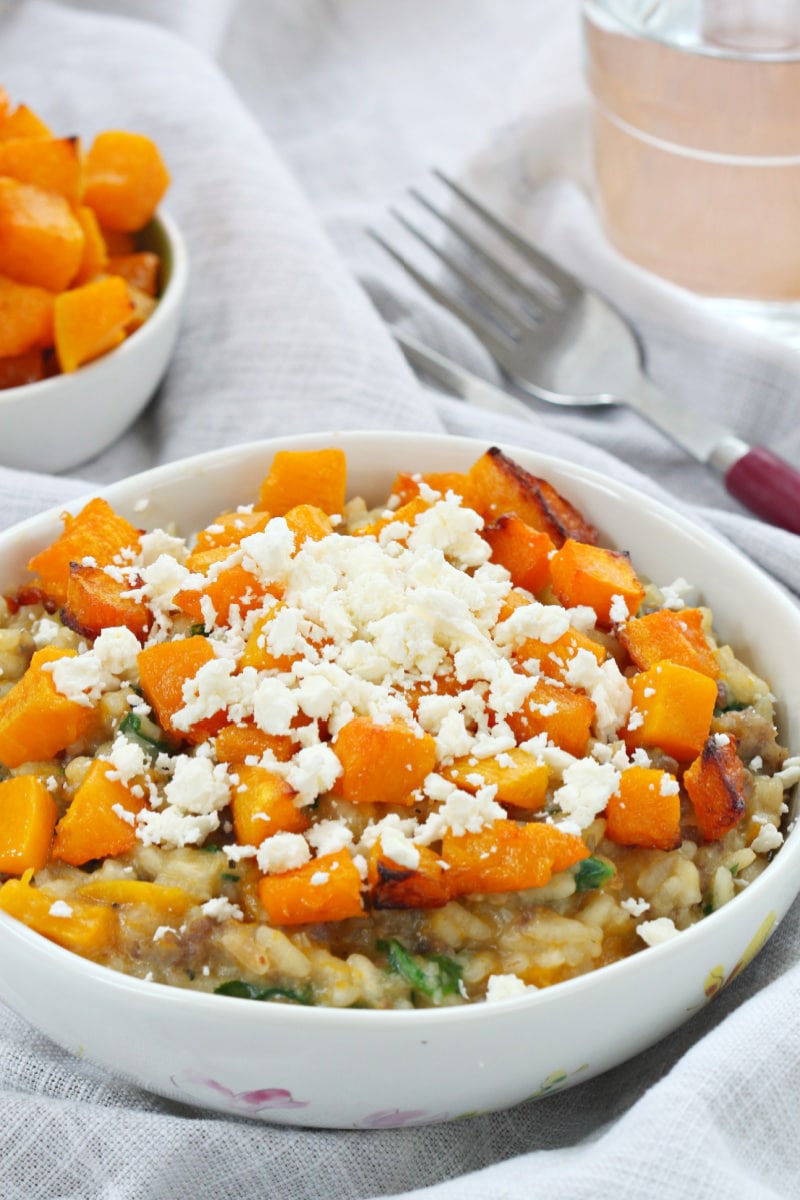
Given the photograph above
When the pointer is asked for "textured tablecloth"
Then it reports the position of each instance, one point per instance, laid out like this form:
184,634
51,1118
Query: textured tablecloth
288,126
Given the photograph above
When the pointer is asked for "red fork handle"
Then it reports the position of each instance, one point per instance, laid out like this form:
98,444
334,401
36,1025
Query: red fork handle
768,486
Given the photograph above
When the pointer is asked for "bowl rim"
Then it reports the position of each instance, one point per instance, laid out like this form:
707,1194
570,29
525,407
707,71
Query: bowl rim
168,302
170,473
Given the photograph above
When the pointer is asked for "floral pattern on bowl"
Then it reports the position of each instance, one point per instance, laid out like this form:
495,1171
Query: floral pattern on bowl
252,1102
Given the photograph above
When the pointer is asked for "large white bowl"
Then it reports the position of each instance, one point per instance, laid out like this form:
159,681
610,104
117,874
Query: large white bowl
65,420
353,1068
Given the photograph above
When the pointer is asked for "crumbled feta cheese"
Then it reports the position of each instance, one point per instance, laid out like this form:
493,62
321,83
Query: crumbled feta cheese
282,852
662,929
618,611
221,909
586,790
59,908
768,838
635,907
507,987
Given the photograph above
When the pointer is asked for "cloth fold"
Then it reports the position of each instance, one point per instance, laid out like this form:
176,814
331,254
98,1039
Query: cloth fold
289,126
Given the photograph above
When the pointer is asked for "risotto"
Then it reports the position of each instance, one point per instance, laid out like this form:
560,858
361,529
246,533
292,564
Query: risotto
444,751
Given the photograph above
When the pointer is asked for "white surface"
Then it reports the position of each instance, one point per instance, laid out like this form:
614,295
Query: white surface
60,422
350,101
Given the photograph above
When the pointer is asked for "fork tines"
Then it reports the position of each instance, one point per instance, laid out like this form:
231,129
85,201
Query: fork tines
486,308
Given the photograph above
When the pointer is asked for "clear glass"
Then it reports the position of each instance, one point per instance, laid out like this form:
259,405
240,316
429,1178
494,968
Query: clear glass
697,146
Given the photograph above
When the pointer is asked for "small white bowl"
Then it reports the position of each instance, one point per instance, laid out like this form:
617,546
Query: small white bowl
287,1064
65,420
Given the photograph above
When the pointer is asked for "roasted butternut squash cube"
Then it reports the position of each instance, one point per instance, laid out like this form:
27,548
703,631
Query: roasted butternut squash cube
263,804
41,241
498,485
554,657
522,550
237,743
563,714
646,811
100,821
593,576
91,320
87,929
19,370
27,819
125,179
327,888
36,721
716,783
52,164
317,477
97,532
394,886
382,764
520,778
229,528
672,707
26,317
508,857
23,123
677,636
94,258
97,601
164,668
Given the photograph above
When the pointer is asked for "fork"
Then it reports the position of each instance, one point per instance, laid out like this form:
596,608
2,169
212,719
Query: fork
562,342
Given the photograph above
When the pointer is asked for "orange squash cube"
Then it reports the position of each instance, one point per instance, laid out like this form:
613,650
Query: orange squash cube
716,783
263,804
229,528
23,123
18,370
521,779
26,318
317,477
96,601
41,241
90,320
565,715
498,485
646,811
94,259
36,721
164,668
593,576
88,929
326,889
672,707
93,825
382,764
676,636
97,532
125,179
27,819
234,585
522,550
554,657
392,886
507,857
52,164
139,270
236,743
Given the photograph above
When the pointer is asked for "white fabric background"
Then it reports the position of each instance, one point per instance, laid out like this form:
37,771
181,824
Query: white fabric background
290,125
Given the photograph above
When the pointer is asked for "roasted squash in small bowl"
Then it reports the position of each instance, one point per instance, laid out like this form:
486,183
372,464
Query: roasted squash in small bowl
59,421
311,780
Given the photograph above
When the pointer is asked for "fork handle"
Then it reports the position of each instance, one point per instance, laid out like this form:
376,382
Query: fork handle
768,486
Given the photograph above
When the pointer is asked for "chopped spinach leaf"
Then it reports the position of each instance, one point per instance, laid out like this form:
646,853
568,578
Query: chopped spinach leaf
434,975
230,876
251,991
592,873
145,734
198,630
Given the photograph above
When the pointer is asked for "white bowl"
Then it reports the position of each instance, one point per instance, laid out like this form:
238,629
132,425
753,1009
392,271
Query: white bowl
65,420
364,1068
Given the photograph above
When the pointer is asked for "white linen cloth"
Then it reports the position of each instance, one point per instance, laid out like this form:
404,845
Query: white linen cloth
288,126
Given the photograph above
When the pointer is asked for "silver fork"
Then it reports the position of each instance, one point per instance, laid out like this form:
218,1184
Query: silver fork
563,343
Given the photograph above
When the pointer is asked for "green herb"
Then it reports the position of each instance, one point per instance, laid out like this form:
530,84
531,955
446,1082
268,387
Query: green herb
198,630
210,848
251,991
230,877
147,735
592,873
733,706
432,974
